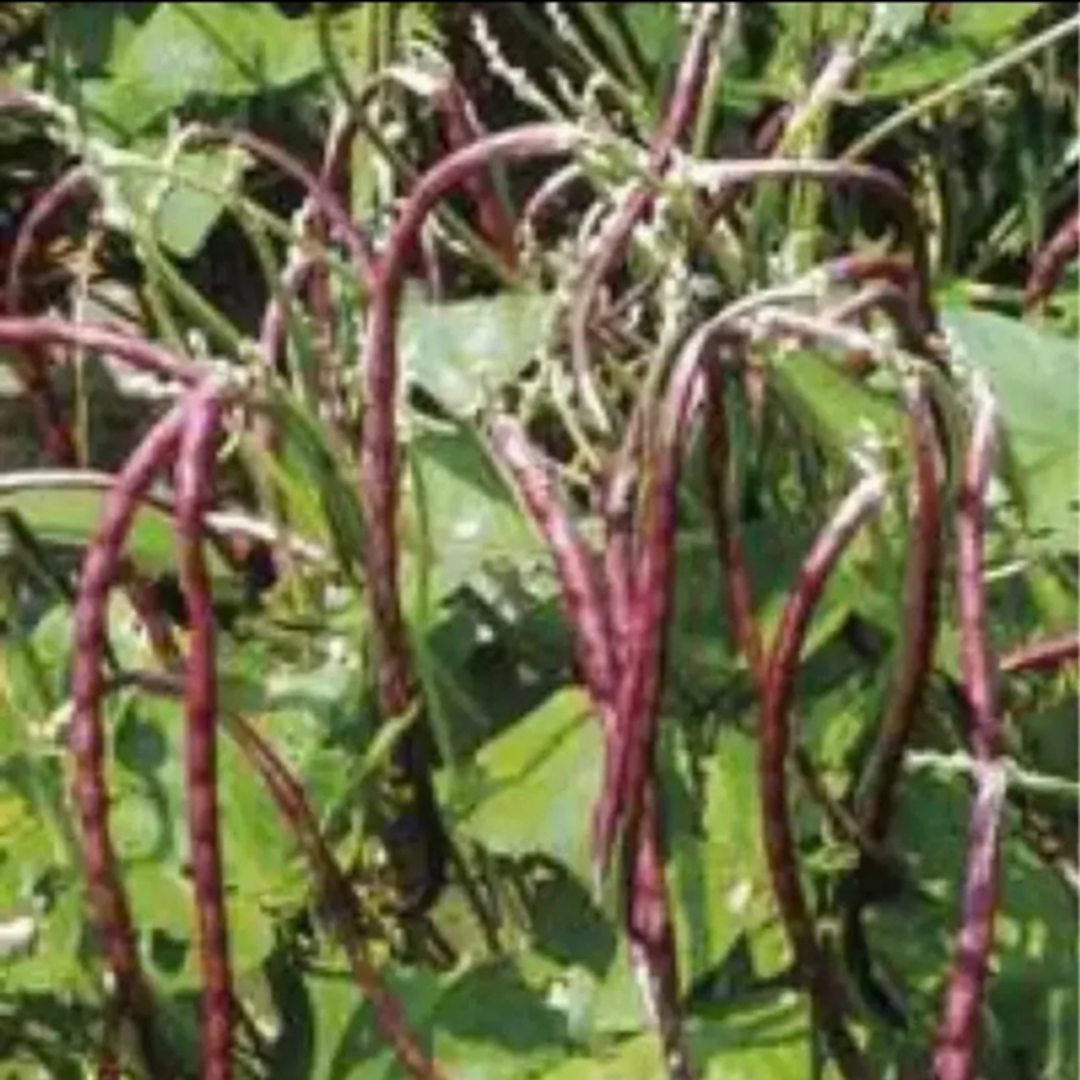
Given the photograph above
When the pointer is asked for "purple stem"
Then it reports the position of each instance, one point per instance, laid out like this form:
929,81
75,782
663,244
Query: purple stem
746,635
583,592
825,991
34,370
954,1056
613,242
462,127
19,330
1049,264
378,444
1047,655
108,900
193,494
337,897
319,191
920,625
70,184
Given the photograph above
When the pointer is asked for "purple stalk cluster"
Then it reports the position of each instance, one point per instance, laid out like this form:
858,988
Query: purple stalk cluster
185,437
618,602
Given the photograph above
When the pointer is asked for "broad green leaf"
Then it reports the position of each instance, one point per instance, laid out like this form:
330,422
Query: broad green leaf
769,1037
187,50
72,518
928,56
163,907
95,37
718,876
472,521
481,1022
700,634
536,784
461,352
843,413
186,215
655,31
1033,374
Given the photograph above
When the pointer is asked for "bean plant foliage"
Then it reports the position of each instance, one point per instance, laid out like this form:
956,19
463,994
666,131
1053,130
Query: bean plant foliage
583,581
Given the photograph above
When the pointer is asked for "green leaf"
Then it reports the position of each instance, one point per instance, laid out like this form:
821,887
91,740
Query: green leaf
472,520
928,56
72,518
655,31
483,1022
94,37
187,50
186,215
843,412
1033,374
719,878
765,1038
536,783
460,352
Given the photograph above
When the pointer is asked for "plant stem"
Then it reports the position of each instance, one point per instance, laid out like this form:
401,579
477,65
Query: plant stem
817,974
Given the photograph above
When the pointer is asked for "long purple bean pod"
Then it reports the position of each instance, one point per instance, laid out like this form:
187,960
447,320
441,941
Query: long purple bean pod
612,245
642,674
52,201
336,896
955,1052
731,554
617,508
294,280
651,931
193,493
583,592
920,625
860,504
36,333
604,656
108,900
378,444
632,781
